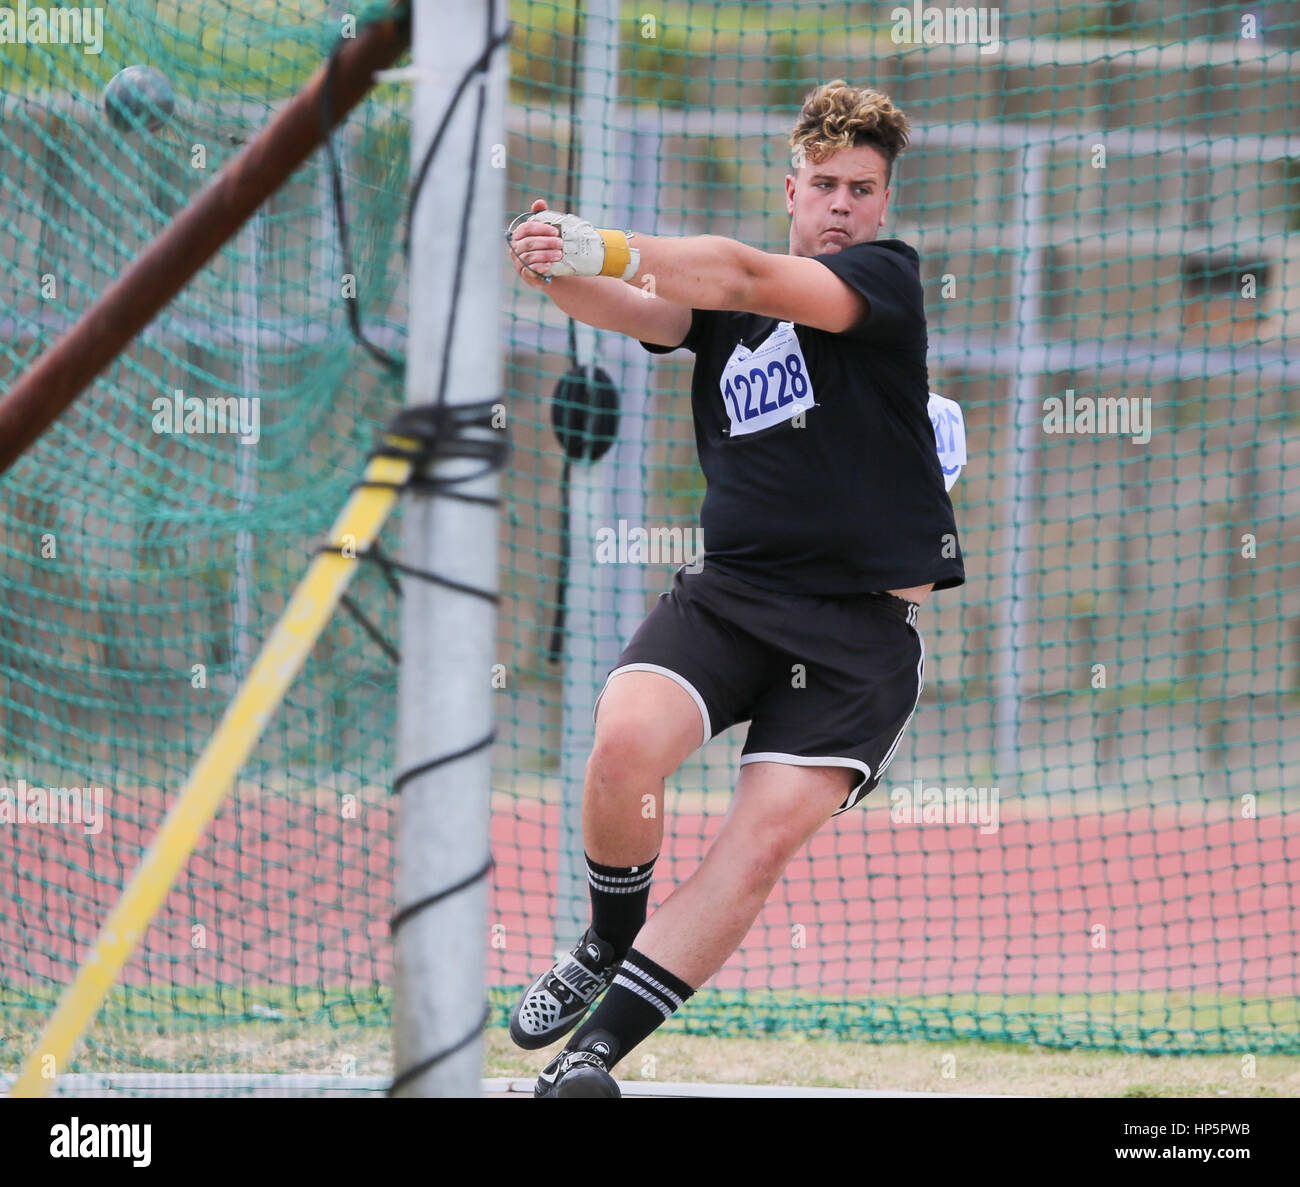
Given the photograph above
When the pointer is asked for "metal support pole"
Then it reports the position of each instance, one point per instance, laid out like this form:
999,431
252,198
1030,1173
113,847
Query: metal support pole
1026,405
448,636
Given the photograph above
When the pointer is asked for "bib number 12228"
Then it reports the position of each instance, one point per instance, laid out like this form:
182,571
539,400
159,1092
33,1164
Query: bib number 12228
764,387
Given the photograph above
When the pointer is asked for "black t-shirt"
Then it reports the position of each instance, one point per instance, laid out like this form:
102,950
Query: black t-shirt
852,499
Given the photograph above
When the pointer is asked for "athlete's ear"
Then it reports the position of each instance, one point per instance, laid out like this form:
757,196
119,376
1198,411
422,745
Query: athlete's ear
789,194
884,210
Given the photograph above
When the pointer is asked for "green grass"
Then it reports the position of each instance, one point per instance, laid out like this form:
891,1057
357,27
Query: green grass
949,1067
1137,1044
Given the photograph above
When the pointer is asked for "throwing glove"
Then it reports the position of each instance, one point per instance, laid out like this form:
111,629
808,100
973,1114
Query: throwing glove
589,250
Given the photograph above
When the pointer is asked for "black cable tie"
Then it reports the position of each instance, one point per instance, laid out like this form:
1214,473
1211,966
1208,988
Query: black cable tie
416,907
389,566
433,1060
438,432
435,486
478,500
441,432
432,578
369,627
415,772
373,553
428,485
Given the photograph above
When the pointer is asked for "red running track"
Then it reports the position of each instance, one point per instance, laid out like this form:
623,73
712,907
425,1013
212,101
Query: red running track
290,893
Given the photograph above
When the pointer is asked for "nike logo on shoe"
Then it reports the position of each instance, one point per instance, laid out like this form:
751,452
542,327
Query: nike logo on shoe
579,979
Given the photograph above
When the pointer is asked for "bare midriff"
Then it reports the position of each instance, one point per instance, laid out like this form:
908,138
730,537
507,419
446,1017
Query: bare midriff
917,593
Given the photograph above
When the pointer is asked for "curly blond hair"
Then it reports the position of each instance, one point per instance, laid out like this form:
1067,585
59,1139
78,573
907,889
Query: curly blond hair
836,116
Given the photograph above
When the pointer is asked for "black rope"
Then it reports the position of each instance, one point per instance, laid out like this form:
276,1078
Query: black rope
369,627
432,578
425,767
415,908
445,432
440,433
462,244
428,436
427,424
555,651
494,42
402,13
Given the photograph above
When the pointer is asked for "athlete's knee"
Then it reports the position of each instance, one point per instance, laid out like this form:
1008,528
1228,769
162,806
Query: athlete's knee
628,744
768,831
644,723
764,854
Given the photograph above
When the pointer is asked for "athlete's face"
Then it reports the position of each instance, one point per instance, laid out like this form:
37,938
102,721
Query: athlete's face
838,201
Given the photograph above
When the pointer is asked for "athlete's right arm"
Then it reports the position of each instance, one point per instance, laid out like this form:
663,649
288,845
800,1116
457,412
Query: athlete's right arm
601,301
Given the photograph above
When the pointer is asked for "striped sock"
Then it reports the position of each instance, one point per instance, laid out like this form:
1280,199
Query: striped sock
642,998
619,897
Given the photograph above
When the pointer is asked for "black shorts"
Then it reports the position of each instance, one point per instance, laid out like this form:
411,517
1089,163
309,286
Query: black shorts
823,681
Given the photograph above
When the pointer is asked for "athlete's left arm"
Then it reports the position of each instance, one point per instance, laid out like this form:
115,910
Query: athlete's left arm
712,272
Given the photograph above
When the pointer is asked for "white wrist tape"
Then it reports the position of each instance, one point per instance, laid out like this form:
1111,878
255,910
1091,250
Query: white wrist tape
589,250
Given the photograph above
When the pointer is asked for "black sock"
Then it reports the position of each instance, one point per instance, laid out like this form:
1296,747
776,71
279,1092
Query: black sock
619,897
642,998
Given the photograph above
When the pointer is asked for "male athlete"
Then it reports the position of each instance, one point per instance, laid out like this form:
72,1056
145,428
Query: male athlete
826,524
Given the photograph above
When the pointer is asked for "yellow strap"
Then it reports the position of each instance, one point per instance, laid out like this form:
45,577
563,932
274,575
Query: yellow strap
617,253
283,654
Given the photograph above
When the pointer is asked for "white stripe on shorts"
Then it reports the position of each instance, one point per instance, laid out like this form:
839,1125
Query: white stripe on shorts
796,760
920,684
677,678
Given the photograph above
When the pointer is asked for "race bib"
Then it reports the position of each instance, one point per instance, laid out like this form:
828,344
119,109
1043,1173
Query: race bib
761,388
949,436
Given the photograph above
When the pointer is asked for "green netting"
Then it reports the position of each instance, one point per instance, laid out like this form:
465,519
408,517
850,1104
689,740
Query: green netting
1105,207
143,565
